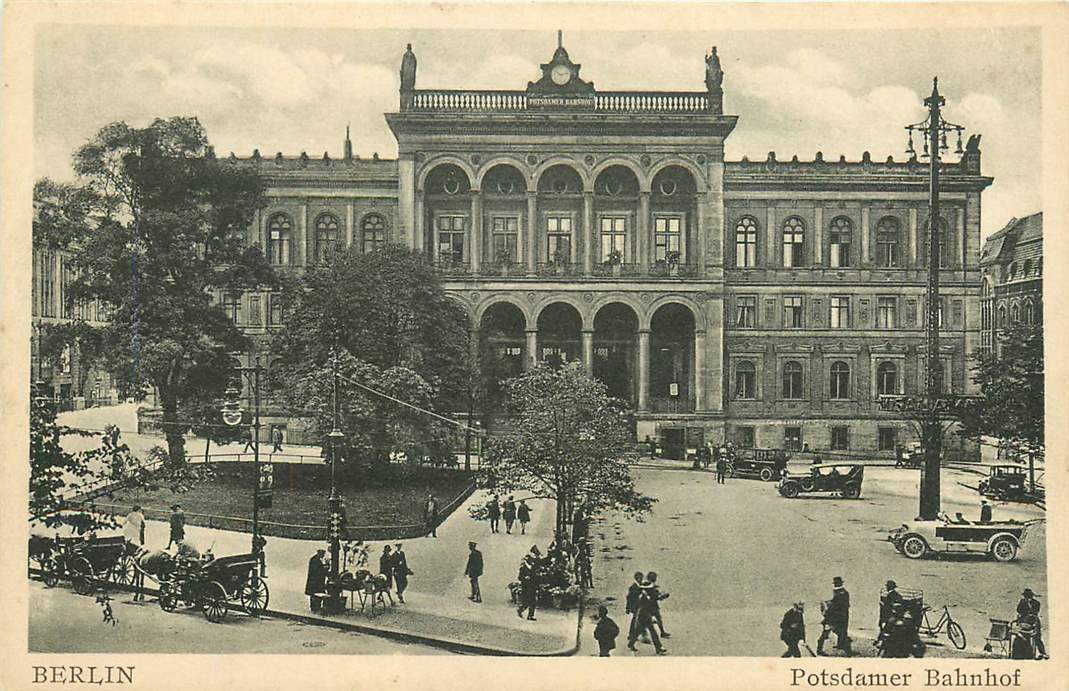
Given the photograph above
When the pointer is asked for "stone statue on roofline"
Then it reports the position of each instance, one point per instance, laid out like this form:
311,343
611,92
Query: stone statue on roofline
408,69
714,74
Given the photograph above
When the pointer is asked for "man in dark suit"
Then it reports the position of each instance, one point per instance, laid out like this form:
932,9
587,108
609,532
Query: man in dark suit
792,629
605,632
836,618
473,570
985,511
645,619
401,572
631,604
430,515
888,600
529,582
316,581
1028,608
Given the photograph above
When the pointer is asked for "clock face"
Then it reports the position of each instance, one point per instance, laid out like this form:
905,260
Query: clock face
561,75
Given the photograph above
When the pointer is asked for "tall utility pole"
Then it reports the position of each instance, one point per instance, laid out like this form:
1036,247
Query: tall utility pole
934,129
336,507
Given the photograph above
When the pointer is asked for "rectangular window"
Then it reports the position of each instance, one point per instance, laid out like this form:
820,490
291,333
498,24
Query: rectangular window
66,308
839,251
792,312
559,239
744,437
840,438
451,239
886,312
276,315
887,438
613,237
667,234
792,438
505,233
840,312
746,311
232,306
254,310
48,285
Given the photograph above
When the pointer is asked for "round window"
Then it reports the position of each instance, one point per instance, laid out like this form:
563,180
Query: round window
560,186
451,185
668,187
506,186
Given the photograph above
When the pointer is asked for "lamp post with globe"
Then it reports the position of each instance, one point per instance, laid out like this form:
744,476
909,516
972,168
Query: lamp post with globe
233,415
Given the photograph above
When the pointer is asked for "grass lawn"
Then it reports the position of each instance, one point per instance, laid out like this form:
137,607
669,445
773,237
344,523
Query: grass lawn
301,496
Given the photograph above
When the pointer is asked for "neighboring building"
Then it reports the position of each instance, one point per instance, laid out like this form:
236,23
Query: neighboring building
1011,283
766,302
66,377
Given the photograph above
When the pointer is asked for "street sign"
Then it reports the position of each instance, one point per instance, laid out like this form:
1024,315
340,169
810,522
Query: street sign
945,406
265,486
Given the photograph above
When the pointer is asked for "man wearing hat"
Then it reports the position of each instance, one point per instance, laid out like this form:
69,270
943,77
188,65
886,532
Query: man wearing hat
792,629
178,525
985,511
473,570
836,618
529,582
316,580
1028,608
401,572
888,600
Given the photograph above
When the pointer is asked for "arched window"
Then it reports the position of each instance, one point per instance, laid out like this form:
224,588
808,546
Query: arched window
887,379
1013,270
326,236
372,232
840,236
1015,314
745,380
792,380
1027,267
746,243
279,238
887,230
945,250
1029,313
1002,317
793,242
840,381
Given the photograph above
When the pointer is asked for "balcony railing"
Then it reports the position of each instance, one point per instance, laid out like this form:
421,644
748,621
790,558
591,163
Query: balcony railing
558,269
503,269
656,270
660,404
435,100
454,268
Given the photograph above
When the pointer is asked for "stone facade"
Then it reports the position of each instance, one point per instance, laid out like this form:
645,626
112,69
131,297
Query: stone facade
1011,287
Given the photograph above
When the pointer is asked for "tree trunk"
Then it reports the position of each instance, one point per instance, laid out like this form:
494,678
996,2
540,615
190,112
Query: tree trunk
176,443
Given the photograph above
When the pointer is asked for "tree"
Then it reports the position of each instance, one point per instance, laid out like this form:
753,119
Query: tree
387,316
566,444
1011,389
155,229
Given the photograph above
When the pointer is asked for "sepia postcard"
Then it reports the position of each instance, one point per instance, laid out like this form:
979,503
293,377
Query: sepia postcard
510,337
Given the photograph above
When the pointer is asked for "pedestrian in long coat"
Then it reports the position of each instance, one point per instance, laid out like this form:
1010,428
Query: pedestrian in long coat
1028,607
631,603
721,466
836,618
529,582
508,512
430,515
493,512
386,566
523,512
316,581
473,570
401,572
644,617
605,632
178,525
276,440
792,629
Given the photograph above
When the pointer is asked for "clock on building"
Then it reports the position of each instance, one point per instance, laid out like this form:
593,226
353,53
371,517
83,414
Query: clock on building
561,75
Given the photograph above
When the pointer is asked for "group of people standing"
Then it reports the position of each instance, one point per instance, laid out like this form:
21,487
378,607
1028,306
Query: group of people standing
510,511
836,619
393,574
643,603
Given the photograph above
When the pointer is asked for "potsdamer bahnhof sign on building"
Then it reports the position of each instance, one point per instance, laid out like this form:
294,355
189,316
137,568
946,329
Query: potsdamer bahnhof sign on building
766,302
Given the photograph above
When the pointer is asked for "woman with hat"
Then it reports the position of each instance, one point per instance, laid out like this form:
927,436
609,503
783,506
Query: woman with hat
1028,611
178,525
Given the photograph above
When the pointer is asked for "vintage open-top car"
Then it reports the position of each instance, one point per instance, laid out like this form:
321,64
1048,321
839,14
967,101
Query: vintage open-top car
1004,482
1003,540
840,478
766,464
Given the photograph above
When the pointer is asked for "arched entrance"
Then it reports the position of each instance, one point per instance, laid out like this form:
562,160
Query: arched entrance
672,359
447,224
559,334
616,349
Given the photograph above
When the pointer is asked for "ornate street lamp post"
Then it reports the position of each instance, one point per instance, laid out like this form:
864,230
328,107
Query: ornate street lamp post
233,416
934,129
336,507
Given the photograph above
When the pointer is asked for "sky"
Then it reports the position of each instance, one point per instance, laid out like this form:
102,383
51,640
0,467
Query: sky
795,92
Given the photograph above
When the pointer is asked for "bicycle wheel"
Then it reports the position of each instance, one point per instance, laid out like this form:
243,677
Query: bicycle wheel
956,634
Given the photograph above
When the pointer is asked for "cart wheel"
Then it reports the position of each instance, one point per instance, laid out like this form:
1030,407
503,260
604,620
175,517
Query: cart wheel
254,595
766,474
82,576
168,599
789,489
914,547
49,573
851,492
956,635
1003,549
123,571
214,598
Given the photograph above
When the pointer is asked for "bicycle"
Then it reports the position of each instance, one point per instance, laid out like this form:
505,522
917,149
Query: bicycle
954,631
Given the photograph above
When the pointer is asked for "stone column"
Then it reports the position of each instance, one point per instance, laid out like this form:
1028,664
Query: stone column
714,355
912,238
588,352
531,232
588,231
406,201
350,219
306,235
476,239
863,259
642,233
700,235
258,237
699,370
417,226
959,233
714,210
532,348
818,236
770,231
643,370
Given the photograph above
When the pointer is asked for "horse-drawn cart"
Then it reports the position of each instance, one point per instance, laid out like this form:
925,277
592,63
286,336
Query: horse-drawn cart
86,561
214,587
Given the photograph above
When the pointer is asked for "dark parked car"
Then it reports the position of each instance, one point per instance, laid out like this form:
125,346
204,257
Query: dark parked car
766,464
1004,482
843,479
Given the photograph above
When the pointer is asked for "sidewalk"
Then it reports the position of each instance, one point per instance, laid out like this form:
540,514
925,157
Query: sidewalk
436,609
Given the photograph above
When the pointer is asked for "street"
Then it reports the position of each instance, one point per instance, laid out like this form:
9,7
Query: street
735,556
64,622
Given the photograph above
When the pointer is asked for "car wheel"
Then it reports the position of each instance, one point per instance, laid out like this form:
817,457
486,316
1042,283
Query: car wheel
1003,549
851,491
766,474
914,547
789,489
